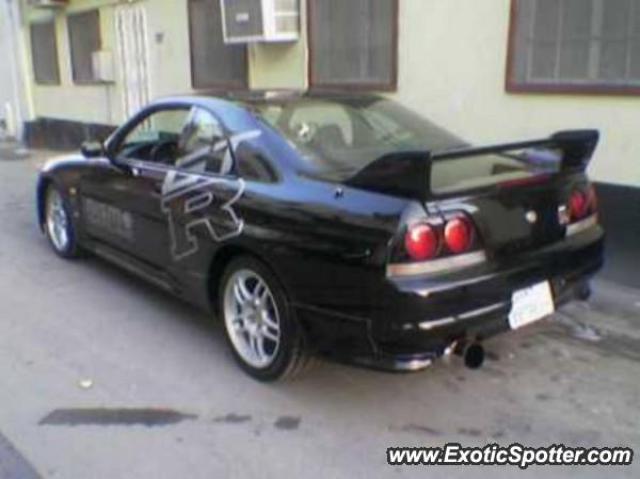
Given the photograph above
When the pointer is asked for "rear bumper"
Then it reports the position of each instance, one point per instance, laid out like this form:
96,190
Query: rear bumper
412,321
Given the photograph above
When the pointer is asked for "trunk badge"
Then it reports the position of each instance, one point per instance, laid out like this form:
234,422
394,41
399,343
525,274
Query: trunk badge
531,217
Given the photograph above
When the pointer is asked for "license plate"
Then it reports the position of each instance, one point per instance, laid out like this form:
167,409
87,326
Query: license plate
530,305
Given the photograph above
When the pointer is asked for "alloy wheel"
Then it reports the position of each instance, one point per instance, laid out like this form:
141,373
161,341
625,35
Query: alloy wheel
57,221
251,318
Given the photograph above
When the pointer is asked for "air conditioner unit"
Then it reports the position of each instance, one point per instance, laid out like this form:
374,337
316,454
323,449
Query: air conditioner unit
48,3
245,21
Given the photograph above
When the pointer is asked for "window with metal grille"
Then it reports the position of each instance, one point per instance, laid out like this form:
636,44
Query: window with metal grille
353,43
44,53
84,39
213,63
575,45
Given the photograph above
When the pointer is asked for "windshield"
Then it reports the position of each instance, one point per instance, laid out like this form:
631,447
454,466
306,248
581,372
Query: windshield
338,137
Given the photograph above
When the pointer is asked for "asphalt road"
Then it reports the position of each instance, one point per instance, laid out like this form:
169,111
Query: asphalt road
102,376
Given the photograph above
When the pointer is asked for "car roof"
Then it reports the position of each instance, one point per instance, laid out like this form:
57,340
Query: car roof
241,98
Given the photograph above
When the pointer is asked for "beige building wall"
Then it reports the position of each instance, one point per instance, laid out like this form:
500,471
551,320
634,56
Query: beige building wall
452,61
97,103
169,61
271,66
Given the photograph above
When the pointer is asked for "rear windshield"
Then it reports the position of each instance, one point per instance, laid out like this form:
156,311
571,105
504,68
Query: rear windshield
462,174
337,138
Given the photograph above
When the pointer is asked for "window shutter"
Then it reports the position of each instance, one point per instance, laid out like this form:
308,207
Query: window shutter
353,42
44,53
84,39
213,64
580,43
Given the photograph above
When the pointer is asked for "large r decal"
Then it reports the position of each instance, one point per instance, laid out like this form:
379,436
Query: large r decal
191,201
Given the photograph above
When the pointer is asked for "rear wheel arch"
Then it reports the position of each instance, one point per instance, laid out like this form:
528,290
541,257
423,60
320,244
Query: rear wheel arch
43,185
292,354
221,259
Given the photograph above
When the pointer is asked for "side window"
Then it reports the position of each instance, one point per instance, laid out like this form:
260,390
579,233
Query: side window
203,145
156,137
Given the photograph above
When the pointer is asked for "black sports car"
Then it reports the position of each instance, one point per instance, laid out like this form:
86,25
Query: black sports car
321,223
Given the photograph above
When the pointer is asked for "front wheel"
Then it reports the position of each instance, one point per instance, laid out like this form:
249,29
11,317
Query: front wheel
261,328
58,224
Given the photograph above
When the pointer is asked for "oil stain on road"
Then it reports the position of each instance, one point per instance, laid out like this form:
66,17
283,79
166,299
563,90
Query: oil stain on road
233,418
287,423
149,417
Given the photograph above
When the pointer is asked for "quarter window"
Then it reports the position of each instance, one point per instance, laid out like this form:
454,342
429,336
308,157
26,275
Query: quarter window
353,43
575,45
203,145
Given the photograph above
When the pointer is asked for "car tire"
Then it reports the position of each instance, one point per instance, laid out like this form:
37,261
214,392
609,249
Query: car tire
261,329
58,224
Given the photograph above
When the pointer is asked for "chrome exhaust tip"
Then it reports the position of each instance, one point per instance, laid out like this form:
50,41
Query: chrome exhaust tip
472,354
584,292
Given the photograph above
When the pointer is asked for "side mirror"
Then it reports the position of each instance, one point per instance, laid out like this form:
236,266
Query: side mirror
92,149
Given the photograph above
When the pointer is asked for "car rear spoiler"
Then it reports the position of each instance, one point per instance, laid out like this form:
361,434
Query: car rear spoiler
408,173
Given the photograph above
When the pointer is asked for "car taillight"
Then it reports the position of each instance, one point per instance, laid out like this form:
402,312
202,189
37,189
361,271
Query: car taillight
425,241
583,203
578,205
421,242
458,235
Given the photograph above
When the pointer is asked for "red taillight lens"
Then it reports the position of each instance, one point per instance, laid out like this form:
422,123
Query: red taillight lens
421,242
578,205
458,235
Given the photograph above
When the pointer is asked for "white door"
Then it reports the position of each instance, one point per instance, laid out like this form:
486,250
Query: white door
133,57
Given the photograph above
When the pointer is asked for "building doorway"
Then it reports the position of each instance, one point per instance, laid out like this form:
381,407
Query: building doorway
133,57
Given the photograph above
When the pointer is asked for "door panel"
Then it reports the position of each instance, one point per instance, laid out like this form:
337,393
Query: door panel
105,216
123,209
122,198
172,187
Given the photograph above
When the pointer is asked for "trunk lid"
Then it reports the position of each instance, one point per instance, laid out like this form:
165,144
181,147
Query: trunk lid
513,220
517,194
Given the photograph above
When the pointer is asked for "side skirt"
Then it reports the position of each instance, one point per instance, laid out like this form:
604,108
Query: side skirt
134,266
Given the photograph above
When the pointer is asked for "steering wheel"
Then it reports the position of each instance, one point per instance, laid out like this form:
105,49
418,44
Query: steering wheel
163,152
